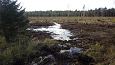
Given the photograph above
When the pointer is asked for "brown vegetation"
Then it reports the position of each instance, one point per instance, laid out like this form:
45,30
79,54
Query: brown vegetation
95,34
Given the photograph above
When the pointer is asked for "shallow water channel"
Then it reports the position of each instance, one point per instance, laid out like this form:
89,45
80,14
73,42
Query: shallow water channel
56,31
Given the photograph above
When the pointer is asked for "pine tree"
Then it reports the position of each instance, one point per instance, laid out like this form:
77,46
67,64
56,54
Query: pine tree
13,19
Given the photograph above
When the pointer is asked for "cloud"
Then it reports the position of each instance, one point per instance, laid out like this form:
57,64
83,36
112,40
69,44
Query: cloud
63,4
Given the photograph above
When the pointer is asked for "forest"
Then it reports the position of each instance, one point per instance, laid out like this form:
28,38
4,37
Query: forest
100,12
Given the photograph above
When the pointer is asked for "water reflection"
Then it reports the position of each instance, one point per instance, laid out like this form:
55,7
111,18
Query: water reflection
56,32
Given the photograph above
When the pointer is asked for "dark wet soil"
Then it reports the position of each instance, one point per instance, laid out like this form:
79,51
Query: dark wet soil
87,35
40,35
91,33
83,34
39,24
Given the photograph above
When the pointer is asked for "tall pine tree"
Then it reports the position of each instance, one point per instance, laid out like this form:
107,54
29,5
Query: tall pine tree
12,19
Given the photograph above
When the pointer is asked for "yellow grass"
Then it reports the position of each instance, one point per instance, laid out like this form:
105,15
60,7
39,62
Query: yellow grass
89,20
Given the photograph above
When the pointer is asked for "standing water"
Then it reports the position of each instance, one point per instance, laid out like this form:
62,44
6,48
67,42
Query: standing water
56,31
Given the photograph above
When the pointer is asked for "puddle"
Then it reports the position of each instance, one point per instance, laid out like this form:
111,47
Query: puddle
56,31
72,50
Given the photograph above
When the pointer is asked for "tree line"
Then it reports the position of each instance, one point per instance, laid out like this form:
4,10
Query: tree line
104,12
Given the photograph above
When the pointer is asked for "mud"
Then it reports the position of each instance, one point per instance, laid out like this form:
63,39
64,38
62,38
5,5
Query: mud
83,34
88,34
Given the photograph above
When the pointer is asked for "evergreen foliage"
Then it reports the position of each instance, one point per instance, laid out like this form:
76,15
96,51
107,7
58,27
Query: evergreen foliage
100,12
12,19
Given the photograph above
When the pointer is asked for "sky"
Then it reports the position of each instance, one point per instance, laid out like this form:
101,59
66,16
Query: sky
44,5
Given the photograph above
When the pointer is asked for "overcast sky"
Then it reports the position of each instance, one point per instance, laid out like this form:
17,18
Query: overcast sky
37,5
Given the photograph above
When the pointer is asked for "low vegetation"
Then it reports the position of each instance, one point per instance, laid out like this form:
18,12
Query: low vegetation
95,35
87,20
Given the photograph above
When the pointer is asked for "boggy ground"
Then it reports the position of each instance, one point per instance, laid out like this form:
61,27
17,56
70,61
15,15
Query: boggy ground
97,39
91,33
85,30
95,34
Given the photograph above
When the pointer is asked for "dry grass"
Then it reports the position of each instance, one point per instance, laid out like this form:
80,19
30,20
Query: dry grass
91,20
96,33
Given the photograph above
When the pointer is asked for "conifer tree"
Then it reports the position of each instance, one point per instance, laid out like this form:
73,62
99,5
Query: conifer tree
12,19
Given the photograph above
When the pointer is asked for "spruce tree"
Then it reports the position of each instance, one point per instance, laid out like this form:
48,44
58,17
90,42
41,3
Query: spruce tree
13,21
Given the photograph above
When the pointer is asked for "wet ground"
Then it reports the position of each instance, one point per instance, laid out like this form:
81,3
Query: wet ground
91,33
55,31
79,34
94,35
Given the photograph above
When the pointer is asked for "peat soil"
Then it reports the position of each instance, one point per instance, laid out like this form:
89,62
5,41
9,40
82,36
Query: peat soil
84,34
40,35
87,34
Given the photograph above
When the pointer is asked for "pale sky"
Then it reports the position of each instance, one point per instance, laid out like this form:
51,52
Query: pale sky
43,5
